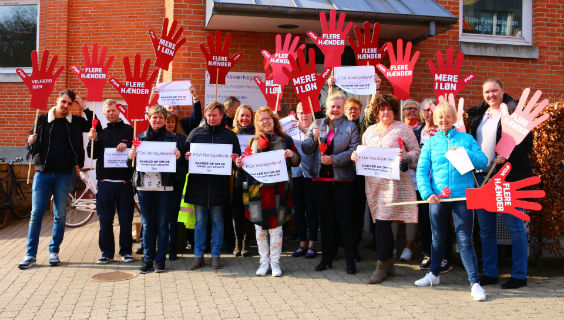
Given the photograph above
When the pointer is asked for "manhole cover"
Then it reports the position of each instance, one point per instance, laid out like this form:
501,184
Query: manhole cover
113,276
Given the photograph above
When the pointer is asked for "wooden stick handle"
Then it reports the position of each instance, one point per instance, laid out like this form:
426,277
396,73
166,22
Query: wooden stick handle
277,99
487,176
216,81
134,135
34,132
422,201
92,141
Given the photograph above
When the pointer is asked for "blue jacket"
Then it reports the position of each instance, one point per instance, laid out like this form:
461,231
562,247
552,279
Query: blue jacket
434,171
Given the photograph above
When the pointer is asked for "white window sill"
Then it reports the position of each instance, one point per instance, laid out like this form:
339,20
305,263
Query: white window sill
499,50
10,75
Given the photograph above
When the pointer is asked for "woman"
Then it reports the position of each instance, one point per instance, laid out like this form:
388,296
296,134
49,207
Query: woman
156,194
268,221
411,113
242,125
305,209
353,109
434,174
379,191
333,175
173,126
424,131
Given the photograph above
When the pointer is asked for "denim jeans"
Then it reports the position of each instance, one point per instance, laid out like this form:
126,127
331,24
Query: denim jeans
463,226
45,184
155,207
112,196
488,236
202,214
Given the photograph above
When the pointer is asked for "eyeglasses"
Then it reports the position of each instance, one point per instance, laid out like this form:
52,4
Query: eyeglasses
265,119
410,109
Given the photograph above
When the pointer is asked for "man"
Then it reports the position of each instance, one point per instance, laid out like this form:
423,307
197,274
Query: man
486,129
210,193
114,185
56,150
231,104
194,120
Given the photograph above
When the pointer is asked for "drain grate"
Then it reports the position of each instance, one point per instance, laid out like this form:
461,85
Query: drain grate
113,276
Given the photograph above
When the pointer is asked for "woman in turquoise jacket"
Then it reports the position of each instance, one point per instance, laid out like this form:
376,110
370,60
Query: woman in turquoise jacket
434,174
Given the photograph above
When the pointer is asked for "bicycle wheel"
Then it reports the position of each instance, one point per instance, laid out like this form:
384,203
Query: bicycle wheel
77,213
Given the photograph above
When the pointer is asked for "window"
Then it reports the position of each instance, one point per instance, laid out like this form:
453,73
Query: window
18,34
499,21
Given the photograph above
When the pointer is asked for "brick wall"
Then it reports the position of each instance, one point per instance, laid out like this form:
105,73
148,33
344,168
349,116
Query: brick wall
66,26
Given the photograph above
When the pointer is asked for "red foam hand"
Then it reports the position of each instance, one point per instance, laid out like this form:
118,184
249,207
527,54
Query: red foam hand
42,79
445,193
94,123
367,51
499,195
322,147
248,152
447,78
95,72
400,73
400,142
168,44
306,82
218,61
332,40
515,127
137,88
136,142
271,92
280,58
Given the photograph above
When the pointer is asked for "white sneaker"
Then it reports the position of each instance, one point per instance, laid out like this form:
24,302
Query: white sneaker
276,271
263,269
428,280
406,254
478,292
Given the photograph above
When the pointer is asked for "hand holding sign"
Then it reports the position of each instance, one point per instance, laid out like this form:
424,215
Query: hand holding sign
218,61
137,88
516,127
367,51
42,80
271,92
400,73
447,79
167,45
95,72
332,40
306,82
280,58
499,195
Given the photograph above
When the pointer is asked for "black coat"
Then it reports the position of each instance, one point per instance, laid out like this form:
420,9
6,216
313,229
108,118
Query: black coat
75,127
114,134
206,189
193,121
519,158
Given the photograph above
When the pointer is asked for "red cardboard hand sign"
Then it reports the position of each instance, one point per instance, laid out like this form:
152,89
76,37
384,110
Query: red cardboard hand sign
218,61
400,73
271,92
167,45
322,147
137,88
136,142
248,152
42,80
515,127
447,79
400,142
367,51
280,58
306,82
445,193
95,72
94,123
332,40
499,195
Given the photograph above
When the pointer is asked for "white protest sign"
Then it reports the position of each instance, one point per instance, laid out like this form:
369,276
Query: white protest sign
114,158
458,157
243,140
289,125
378,162
156,156
240,85
267,167
175,93
357,80
210,158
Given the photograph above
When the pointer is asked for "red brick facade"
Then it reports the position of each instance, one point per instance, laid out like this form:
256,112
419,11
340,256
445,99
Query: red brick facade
67,25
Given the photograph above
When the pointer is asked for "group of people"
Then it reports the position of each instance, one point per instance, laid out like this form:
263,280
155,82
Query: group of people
324,191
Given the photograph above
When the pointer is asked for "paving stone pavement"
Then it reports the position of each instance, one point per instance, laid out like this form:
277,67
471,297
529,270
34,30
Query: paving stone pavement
234,292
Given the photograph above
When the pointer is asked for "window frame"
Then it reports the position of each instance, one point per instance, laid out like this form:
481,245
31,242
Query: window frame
6,72
525,40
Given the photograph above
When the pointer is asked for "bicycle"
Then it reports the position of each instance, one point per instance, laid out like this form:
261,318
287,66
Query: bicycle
81,202
10,187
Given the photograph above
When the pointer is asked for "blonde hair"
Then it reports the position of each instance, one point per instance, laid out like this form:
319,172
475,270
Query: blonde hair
335,96
108,102
157,109
444,109
238,112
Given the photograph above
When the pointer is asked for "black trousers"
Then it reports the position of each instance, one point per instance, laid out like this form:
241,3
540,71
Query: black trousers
384,239
334,201
305,209
112,196
359,205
